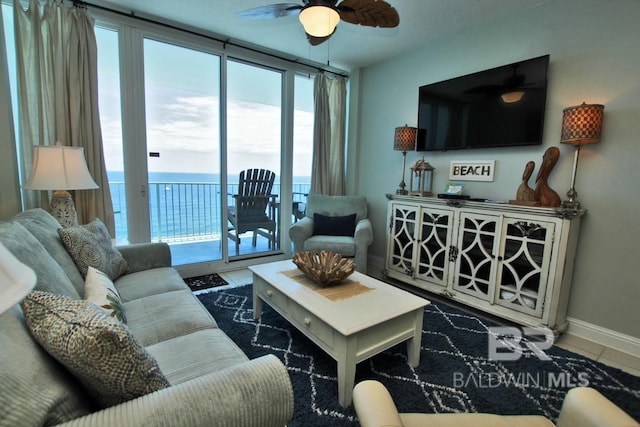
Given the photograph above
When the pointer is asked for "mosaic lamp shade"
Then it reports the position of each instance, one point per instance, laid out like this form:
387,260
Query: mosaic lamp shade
405,138
582,124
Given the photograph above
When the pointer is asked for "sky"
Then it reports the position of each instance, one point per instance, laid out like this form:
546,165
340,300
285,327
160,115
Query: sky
182,111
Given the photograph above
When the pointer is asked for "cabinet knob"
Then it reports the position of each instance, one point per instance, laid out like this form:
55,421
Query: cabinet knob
269,294
307,321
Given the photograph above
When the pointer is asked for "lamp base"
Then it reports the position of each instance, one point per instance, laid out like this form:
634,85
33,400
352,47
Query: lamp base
402,191
63,209
572,200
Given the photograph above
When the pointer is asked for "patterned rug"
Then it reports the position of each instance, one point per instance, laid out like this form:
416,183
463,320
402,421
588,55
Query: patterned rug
205,282
455,373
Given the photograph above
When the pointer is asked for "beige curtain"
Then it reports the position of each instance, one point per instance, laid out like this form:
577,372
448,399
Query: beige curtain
58,96
328,136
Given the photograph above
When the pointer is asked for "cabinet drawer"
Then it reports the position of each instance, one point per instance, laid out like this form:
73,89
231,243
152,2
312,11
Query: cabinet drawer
309,323
273,297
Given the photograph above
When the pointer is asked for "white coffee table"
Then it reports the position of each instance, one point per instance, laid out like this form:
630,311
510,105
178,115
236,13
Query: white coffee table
351,322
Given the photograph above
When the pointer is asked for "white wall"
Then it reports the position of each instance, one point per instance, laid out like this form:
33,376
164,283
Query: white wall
594,48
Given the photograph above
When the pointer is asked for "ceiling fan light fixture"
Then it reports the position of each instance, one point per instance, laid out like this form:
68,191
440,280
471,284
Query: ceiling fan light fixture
512,96
319,21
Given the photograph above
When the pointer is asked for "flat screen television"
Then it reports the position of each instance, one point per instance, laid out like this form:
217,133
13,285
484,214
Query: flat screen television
499,107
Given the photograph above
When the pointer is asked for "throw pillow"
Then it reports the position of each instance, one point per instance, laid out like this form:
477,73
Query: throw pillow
90,245
334,225
95,347
99,289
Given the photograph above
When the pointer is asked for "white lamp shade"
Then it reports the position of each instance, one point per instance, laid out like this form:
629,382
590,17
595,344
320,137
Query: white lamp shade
57,167
319,21
16,279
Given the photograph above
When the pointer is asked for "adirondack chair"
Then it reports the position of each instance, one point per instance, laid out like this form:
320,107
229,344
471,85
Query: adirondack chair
249,210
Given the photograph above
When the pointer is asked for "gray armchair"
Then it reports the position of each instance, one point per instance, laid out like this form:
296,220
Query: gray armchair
303,237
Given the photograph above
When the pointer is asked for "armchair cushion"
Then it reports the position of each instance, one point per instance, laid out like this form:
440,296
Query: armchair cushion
334,225
343,245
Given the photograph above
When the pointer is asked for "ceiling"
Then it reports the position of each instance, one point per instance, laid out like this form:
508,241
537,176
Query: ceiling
352,46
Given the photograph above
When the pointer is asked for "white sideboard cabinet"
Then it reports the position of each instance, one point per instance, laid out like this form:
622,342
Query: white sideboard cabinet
512,261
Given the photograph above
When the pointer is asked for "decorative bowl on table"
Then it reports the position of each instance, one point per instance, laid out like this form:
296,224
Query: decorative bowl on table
324,267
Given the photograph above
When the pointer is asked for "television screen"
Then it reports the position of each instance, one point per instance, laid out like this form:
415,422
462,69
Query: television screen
500,107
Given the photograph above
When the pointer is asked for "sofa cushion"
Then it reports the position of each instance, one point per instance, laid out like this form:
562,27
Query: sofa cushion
44,228
96,348
142,284
100,290
90,245
35,389
193,355
334,225
165,316
24,246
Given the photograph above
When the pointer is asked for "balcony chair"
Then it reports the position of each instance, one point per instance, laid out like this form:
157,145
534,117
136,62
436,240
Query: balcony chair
334,223
582,407
249,211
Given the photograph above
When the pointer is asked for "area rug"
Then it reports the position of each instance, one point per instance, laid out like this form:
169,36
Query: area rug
455,373
205,282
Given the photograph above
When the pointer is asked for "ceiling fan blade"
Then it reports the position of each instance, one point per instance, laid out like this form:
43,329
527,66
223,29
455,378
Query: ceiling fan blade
370,13
271,11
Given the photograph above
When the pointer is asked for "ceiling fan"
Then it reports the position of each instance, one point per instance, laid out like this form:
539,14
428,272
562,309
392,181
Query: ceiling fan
321,17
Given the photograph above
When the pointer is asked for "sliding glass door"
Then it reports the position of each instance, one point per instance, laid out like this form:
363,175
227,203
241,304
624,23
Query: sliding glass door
182,105
254,140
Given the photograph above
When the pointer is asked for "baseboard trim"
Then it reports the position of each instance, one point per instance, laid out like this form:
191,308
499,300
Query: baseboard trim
607,337
579,328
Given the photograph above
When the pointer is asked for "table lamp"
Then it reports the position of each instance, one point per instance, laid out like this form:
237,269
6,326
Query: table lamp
60,168
16,279
581,125
404,140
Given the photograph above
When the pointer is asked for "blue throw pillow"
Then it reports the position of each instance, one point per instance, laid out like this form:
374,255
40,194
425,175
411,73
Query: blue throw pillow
334,225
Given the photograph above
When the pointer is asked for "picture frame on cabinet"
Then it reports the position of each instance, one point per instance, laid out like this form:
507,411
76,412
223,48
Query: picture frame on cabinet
472,170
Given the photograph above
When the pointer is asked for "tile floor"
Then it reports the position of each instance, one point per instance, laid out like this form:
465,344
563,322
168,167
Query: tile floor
611,357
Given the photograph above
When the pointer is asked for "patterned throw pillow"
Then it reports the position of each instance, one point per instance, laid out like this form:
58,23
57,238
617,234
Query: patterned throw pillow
99,289
95,347
90,245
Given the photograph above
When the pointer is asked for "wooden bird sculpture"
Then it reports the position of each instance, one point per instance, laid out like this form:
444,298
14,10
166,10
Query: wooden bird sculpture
543,193
526,193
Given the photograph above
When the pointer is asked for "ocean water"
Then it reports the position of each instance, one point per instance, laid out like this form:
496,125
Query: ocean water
183,206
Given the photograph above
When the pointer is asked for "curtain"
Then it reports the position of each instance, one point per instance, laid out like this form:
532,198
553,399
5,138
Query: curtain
328,135
58,96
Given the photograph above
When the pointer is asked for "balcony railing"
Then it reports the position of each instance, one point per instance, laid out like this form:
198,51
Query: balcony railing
183,211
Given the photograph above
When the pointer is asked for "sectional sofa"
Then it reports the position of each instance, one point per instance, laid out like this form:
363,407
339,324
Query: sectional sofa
205,378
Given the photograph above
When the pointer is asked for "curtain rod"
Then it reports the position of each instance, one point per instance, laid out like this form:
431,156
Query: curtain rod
81,3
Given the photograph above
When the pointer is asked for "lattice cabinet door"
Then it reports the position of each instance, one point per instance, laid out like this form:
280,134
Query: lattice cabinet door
434,241
403,228
475,254
524,269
